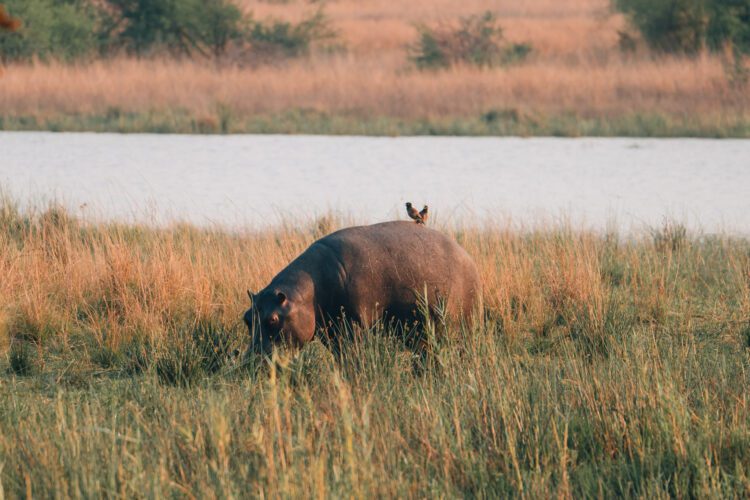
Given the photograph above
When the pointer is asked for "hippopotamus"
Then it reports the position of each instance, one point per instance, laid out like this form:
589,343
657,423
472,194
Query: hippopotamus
364,274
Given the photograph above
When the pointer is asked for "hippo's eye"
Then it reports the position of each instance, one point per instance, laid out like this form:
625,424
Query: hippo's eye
273,320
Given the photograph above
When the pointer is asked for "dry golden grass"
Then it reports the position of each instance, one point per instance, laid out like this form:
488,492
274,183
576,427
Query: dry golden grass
364,88
62,275
575,68
603,368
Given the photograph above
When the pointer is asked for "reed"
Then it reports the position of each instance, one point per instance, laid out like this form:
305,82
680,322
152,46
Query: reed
605,366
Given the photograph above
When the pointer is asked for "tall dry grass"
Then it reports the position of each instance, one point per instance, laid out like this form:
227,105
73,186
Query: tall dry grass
576,69
63,275
604,367
362,88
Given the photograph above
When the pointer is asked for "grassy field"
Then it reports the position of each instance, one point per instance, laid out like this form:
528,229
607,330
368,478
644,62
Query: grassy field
576,82
605,366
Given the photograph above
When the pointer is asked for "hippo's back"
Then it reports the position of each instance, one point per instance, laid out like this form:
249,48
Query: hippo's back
386,265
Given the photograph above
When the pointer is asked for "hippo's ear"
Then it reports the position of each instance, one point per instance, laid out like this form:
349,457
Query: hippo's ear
281,296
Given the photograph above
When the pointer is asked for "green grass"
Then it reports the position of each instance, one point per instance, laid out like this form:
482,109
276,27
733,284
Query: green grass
604,367
661,414
494,122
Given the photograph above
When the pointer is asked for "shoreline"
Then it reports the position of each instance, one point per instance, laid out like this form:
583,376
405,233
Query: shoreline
494,123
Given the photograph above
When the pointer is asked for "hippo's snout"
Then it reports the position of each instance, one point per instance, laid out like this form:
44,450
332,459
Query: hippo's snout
260,343
258,347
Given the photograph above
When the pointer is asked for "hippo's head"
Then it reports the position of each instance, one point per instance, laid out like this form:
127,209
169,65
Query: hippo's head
278,317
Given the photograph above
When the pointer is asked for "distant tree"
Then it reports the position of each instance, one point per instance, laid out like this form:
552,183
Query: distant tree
75,29
59,29
688,26
180,26
730,23
221,23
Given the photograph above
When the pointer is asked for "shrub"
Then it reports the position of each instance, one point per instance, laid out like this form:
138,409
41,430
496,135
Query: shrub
516,53
730,23
219,23
59,29
206,27
72,29
477,40
275,39
687,26
668,25
185,26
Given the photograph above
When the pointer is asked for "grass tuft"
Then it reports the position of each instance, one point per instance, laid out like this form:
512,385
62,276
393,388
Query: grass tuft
670,237
22,359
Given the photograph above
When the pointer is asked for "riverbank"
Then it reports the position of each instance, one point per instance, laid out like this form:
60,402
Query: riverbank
497,123
577,80
604,367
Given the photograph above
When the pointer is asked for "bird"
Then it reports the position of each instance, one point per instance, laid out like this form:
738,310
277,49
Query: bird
7,22
413,213
423,213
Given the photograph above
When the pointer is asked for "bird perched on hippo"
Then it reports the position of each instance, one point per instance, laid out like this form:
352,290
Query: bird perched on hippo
418,216
364,274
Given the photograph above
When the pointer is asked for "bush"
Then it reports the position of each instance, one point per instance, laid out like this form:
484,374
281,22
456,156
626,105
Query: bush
730,23
477,40
668,25
274,39
688,26
179,26
206,27
51,29
72,29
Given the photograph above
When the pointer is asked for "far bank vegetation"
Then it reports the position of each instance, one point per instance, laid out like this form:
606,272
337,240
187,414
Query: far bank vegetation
83,30
538,67
77,30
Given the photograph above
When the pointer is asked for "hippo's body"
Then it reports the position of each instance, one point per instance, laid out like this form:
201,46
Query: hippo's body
364,273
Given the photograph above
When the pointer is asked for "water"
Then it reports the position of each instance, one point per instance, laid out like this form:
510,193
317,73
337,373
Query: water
259,180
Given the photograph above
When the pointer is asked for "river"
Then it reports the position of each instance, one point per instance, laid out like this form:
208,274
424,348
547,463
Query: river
260,180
